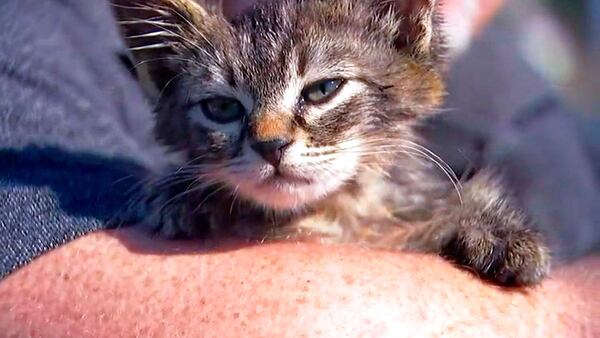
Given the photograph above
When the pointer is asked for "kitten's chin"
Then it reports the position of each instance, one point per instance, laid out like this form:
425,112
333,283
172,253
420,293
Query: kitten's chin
287,194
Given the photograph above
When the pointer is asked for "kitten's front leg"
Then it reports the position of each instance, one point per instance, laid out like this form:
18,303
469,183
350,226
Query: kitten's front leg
488,235
169,214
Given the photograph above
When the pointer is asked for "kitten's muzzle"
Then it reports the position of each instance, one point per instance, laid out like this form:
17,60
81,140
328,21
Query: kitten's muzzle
271,151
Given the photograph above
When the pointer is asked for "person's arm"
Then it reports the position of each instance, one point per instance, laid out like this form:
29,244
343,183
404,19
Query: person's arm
124,284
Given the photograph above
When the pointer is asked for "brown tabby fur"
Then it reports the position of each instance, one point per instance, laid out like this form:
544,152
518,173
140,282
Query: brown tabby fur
395,199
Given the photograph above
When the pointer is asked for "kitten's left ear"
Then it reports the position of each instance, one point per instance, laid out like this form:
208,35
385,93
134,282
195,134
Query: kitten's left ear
416,26
161,33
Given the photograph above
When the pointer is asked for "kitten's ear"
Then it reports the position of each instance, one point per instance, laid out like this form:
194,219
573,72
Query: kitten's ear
160,34
416,26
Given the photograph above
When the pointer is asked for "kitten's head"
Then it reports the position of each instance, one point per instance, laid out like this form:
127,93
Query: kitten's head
291,101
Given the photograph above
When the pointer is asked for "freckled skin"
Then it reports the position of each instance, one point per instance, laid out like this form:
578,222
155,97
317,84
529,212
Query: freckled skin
352,170
127,284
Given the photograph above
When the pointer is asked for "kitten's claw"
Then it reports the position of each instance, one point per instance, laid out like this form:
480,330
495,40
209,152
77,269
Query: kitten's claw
510,258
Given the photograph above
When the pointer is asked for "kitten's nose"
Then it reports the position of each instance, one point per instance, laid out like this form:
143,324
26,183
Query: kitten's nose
272,150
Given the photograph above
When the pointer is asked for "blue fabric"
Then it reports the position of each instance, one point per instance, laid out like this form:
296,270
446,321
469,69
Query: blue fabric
74,126
50,196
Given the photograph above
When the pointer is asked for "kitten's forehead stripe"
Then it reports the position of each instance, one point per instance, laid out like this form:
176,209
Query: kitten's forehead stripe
301,61
281,43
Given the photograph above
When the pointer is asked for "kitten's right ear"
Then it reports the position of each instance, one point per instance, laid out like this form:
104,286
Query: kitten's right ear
160,34
416,26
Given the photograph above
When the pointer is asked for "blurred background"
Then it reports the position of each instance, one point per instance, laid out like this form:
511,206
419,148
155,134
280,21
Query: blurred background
524,98
561,40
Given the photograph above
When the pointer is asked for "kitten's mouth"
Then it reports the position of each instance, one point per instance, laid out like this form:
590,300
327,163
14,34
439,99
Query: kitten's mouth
282,191
279,178
295,183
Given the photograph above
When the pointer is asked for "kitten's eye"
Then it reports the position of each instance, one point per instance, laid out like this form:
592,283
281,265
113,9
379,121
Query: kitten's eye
222,109
322,91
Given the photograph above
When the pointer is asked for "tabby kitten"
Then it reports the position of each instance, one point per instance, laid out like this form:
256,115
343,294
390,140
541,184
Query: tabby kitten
298,121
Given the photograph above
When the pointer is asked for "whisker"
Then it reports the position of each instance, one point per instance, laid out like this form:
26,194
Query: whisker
141,63
159,24
199,187
435,156
235,196
444,167
163,26
208,197
139,6
160,33
165,88
150,47
382,147
137,196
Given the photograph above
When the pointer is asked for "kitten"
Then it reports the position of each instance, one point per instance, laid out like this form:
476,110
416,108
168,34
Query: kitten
298,121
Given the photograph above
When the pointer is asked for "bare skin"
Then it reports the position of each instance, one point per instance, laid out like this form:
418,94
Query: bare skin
125,284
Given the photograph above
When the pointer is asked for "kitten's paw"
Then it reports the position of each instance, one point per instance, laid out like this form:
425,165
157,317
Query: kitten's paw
507,257
168,218
169,221
494,238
